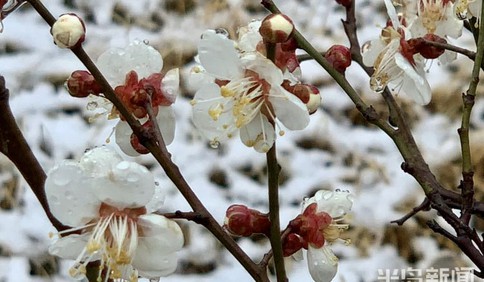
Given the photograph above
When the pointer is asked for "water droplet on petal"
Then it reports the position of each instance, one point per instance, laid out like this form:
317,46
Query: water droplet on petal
61,179
146,41
54,200
69,195
122,166
222,31
132,177
327,196
154,279
214,144
91,106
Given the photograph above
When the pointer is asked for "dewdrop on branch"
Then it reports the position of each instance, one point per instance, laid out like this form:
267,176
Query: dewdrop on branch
68,31
276,28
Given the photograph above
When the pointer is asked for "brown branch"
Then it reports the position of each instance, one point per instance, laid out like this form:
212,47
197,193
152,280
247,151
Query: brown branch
424,206
15,147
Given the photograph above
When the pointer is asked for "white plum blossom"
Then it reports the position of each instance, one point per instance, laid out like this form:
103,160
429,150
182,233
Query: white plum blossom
394,66
103,199
116,65
435,17
242,91
322,262
468,8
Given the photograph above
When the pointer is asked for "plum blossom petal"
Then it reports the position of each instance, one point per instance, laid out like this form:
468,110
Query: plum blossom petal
414,83
218,56
69,194
166,121
122,134
98,161
289,109
161,238
322,264
335,203
137,56
128,185
69,247
259,133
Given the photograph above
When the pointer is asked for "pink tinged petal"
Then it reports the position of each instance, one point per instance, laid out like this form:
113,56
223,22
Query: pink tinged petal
98,161
475,8
335,203
69,247
155,255
264,67
116,63
215,128
166,122
218,56
289,109
322,264
69,194
128,185
122,133
171,84
414,85
259,133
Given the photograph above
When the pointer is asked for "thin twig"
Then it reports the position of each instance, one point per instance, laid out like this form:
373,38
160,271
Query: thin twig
424,206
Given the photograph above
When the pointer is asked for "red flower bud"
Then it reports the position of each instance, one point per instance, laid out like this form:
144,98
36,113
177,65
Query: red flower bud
242,221
428,51
339,57
81,83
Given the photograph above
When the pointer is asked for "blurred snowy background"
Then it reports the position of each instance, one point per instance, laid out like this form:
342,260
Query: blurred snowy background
338,150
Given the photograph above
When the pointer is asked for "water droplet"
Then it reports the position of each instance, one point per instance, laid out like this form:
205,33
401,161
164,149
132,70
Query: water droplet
214,144
91,106
132,177
61,179
146,41
327,196
69,195
54,199
154,279
366,47
123,166
337,190
222,31
157,183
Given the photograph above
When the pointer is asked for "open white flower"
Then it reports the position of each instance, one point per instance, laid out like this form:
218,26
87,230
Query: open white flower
103,199
145,61
394,65
435,17
322,263
468,9
242,92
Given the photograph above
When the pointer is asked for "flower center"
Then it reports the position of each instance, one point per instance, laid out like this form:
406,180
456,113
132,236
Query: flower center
431,11
113,241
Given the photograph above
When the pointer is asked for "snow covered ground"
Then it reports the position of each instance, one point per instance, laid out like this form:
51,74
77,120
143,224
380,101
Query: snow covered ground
337,150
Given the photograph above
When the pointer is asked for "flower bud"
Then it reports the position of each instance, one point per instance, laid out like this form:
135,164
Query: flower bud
339,57
314,101
68,31
81,83
242,221
276,28
428,51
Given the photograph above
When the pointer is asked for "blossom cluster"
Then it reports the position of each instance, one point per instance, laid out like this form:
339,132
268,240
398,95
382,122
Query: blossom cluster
241,90
398,55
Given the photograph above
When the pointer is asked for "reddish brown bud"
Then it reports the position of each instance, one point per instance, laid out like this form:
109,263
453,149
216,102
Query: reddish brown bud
428,51
276,28
242,221
339,57
81,83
